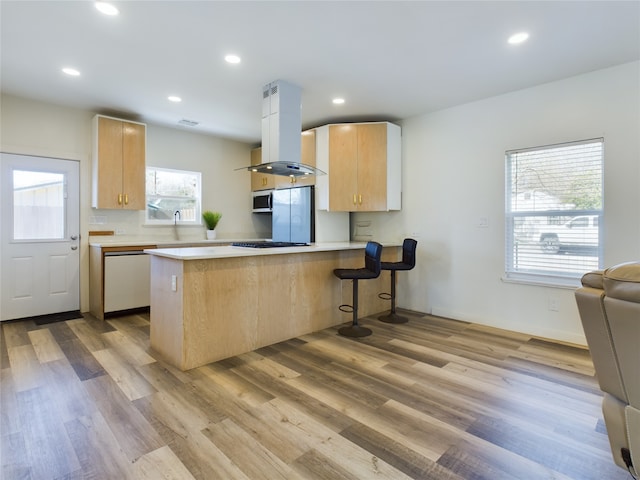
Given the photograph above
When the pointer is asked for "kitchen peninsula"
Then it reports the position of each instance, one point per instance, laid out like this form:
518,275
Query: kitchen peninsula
211,303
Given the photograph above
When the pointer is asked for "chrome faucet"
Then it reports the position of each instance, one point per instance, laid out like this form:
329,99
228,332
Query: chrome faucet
176,217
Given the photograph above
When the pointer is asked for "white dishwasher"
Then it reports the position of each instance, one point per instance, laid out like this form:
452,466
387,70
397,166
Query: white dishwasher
126,280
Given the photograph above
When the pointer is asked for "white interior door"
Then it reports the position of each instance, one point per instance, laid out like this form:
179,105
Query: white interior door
39,232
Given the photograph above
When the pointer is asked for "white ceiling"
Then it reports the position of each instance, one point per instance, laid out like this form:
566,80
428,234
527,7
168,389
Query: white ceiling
389,59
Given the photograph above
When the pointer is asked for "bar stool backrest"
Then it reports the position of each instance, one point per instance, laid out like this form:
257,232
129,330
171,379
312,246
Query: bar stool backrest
372,256
409,252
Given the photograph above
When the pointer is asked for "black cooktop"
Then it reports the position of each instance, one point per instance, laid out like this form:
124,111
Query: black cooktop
266,244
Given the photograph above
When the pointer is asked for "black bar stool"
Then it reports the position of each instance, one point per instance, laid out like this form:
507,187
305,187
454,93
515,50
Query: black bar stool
407,263
372,254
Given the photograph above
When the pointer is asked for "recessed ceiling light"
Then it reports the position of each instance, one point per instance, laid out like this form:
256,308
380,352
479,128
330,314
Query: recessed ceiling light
107,8
518,38
338,101
71,71
232,59
174,98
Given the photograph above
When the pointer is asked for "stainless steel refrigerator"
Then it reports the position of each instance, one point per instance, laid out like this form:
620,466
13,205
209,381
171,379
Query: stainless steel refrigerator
293,215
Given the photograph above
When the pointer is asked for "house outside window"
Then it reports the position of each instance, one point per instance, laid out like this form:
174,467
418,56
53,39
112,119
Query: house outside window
169,191
554,212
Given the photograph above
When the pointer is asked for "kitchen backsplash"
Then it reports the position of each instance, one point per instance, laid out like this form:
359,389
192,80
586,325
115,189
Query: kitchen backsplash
129,225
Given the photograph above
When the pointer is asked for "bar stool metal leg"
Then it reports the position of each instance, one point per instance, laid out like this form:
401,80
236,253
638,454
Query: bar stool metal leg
393,317
355,329
371,269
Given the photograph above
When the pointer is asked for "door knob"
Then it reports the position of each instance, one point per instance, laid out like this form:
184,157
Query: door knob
74,247
74,237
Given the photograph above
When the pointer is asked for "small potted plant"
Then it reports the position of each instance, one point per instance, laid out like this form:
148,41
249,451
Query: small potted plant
211,220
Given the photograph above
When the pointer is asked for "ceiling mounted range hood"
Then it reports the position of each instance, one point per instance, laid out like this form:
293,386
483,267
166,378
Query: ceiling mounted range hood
281,130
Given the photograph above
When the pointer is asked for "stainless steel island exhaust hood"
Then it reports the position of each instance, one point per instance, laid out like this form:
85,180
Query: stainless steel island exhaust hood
281,130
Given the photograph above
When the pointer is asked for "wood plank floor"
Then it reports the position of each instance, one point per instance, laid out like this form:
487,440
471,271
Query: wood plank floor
431,399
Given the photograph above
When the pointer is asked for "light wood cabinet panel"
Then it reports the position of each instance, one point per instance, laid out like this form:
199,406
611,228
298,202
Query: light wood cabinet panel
261,181
308,147
308,156
109,165
372,167
363,163
134,165
118,164
343,167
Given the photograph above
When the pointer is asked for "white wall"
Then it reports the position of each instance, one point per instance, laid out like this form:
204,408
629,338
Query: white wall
36,128
453,174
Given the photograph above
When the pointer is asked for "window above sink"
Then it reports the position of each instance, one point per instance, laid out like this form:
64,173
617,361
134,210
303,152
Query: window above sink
169,191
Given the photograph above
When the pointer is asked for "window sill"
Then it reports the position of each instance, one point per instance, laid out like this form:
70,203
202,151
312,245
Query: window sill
542,281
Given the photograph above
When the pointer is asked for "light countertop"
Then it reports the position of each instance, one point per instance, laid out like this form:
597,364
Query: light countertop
162,243
203,253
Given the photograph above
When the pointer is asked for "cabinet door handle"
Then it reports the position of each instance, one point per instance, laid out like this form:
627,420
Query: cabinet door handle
119,199
126,199
354,198
360,199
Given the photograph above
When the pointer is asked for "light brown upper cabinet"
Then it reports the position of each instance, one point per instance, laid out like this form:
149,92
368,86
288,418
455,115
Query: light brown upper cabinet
362,161
261,181
118,164
308,157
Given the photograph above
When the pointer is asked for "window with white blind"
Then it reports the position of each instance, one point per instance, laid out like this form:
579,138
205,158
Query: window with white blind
173,196
554,212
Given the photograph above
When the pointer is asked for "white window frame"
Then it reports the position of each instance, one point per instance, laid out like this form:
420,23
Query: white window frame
530,214
193,217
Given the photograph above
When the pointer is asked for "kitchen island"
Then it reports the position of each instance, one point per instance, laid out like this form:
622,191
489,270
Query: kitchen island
211,303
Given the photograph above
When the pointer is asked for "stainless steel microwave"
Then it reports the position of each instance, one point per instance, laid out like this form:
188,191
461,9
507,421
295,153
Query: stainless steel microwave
263,201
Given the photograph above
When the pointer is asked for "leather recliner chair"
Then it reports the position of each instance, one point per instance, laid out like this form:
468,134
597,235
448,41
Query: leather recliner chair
609,306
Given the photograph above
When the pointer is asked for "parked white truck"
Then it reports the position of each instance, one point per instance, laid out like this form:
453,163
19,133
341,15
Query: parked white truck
579,232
